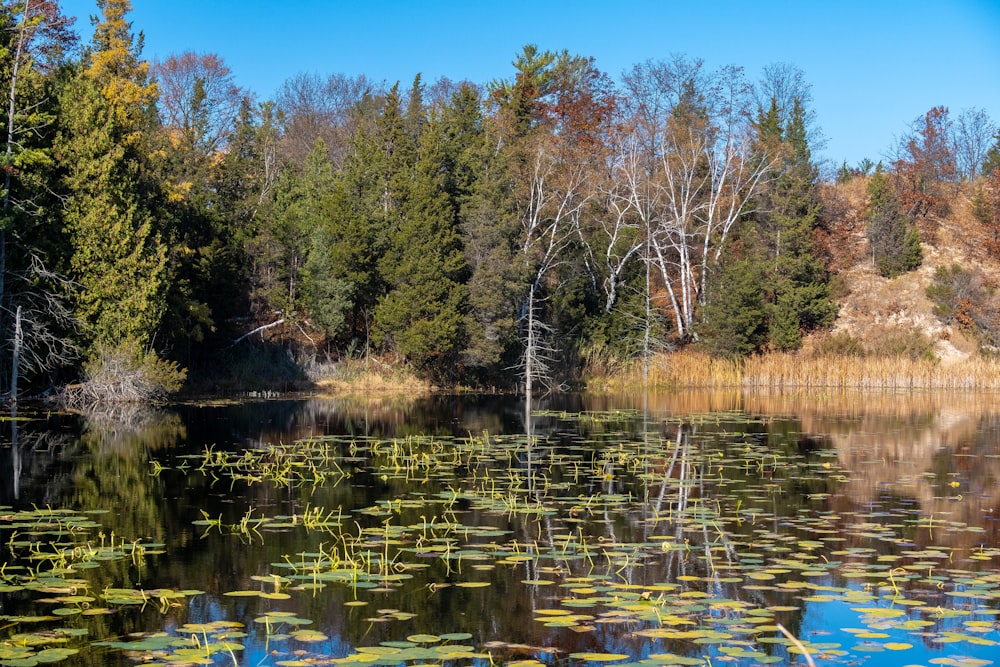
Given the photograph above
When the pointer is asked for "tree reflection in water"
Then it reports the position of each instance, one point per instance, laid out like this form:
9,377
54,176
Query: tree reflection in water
637,518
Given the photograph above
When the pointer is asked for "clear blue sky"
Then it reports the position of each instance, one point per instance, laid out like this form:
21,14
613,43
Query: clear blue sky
874,65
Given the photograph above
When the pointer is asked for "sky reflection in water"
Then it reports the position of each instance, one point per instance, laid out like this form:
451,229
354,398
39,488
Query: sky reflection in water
394,532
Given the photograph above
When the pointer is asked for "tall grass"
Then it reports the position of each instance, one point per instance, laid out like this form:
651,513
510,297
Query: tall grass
367,376
790,371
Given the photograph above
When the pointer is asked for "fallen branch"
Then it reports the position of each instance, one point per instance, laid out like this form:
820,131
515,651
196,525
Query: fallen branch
259,329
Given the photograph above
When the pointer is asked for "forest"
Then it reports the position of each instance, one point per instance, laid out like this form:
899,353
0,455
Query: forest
161,225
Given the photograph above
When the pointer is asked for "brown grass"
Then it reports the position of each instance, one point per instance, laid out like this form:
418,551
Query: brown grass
369,377
793,372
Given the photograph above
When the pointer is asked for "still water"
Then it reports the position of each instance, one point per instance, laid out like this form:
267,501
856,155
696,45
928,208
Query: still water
683,529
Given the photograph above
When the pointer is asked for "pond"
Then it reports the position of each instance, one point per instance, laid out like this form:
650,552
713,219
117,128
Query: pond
679,529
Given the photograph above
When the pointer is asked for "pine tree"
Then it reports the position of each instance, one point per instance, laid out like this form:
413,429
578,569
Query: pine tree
734,321
777,238
800,300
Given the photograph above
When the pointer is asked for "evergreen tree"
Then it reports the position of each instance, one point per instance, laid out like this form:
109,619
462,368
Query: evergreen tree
482,182
777,238
119,258
991,162
375,182
421,315
325,293
735,318
245,189
895,244
799,300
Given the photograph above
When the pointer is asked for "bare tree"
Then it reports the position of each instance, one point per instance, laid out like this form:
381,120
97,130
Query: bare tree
620,230
697,184
42,335
198,98
785,83
333,109
550,222
973,134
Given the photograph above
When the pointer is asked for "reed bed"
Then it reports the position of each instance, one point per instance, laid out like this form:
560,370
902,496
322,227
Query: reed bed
367,377
794,372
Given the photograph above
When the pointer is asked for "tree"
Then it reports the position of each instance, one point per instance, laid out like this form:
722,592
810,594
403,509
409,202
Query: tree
246,178
786,84
198,101
972,137
991,161
198,107
333,109
327,286
489,226
556,111
376,178
118,256
35,326
925,162
895,244
297,211
787,213
421,314
735,320
703,178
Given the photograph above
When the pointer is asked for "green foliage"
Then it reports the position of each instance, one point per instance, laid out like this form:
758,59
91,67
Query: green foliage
422,313
777,239
734,322
992,160
118,256
894,241
328,297
982,210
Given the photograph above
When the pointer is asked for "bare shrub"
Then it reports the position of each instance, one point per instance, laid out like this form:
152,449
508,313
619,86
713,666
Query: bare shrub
123,375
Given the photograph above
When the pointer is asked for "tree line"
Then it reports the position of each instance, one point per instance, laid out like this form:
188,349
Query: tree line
490,234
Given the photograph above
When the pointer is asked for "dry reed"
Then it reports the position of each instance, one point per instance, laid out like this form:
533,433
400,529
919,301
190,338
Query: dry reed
793,372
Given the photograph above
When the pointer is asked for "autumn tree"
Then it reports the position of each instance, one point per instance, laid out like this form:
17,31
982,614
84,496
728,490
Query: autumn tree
925,162
555,111
198,105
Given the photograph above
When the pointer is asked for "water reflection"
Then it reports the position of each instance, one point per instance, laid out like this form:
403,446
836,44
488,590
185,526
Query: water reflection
677,498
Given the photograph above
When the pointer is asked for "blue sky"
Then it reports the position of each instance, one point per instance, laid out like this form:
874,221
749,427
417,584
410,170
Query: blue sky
874,65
